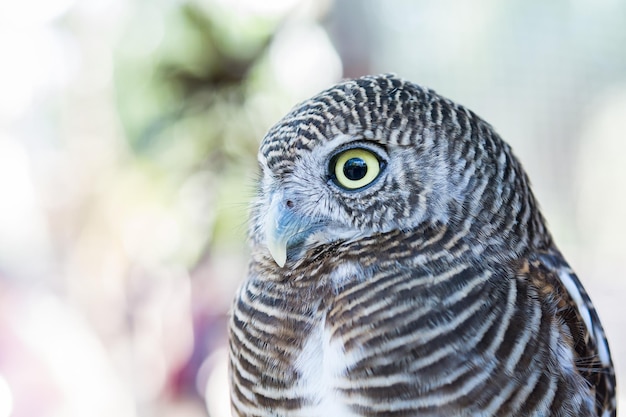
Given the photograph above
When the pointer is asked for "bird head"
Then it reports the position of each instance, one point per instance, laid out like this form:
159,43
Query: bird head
378,154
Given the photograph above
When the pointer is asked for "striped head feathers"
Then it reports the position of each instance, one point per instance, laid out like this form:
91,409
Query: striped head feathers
377,154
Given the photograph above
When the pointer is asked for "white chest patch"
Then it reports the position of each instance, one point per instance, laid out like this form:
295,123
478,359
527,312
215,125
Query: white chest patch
322,365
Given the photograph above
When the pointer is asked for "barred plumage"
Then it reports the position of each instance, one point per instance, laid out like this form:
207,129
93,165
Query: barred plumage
418,279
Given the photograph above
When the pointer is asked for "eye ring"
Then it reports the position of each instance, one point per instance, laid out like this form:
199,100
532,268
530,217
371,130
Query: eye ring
355,168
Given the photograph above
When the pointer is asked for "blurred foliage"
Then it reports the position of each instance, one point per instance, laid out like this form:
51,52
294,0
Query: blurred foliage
188,103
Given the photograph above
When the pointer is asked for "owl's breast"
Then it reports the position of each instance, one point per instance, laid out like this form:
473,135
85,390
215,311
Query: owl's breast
286,355
349,337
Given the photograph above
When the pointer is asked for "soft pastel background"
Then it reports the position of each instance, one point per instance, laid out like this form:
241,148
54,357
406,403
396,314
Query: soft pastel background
128,133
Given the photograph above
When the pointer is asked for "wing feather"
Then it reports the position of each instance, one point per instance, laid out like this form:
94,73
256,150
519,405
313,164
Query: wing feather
554,278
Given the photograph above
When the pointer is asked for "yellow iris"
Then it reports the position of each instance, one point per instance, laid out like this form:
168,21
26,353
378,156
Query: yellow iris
356,168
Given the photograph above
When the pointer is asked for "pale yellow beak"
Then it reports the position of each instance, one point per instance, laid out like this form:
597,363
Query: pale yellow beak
276,241
281,224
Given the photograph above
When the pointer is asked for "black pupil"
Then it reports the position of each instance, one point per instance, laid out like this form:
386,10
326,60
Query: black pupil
355,169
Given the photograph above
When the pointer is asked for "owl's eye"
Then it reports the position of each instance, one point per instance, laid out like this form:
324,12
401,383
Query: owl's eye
355,168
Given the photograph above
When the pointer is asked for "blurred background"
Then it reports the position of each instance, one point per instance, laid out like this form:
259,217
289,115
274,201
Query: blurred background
128,134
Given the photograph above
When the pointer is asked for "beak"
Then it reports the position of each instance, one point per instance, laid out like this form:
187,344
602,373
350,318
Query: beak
282,224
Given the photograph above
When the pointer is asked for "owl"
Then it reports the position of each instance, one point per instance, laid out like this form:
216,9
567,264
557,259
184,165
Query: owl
400,266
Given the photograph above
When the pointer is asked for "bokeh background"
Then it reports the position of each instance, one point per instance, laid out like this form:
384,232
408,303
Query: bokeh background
128,134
